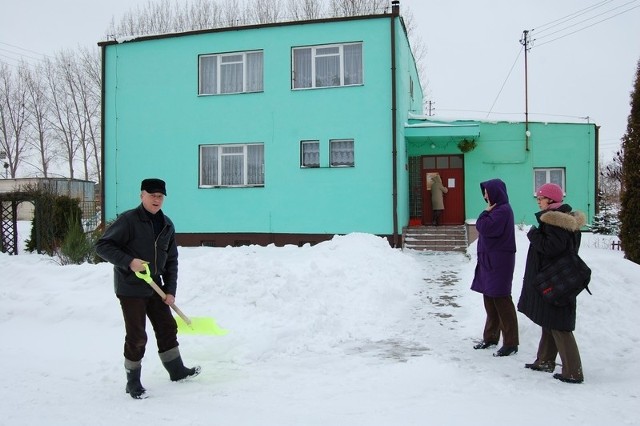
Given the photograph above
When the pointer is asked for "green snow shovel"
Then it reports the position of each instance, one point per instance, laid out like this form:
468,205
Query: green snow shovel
186,325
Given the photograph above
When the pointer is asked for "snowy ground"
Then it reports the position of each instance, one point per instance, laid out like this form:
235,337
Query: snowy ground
347,332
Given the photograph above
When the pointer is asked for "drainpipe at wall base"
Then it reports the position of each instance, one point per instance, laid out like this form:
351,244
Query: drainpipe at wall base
103,72
395,12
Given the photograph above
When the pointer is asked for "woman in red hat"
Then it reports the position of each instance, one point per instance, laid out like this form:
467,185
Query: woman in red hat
557,232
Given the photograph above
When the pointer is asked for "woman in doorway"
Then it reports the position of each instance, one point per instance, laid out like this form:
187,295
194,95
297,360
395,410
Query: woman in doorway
437,198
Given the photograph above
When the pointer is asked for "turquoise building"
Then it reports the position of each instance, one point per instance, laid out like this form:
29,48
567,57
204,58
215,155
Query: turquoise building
524,155
293,132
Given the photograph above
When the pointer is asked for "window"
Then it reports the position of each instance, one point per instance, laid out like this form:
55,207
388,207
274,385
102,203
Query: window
542,176
341,153
327,66
239,72
231,165
310,154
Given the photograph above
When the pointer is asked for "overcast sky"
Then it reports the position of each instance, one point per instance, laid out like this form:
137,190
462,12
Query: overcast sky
577,66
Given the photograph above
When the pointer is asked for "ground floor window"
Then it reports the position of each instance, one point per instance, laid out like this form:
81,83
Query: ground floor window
341,153
231,165
548,175
310,154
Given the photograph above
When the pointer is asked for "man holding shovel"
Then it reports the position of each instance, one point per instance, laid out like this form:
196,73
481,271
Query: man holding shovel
139,238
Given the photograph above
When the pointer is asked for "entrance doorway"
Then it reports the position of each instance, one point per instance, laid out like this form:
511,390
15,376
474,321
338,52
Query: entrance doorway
451,171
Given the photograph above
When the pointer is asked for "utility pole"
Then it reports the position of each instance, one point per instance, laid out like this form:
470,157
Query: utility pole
525,42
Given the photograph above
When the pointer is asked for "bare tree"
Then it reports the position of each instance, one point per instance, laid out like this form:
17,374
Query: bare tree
300,10
418,48
62,121
90,68
265,11
151,18
80,104
161,17
39,107
199,15
233,14
357,7
13,116
608,183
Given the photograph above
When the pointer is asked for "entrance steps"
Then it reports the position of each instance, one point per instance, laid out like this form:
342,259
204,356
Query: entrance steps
436,238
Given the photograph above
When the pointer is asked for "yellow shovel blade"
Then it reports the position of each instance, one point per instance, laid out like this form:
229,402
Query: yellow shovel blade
202,325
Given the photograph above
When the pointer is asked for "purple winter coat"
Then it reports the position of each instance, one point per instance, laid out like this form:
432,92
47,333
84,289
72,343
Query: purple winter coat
496,243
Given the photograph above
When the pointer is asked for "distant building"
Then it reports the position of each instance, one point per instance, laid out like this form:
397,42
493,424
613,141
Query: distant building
82,190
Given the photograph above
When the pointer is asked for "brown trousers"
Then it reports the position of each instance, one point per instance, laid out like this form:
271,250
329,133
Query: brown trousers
554,342
501,318
135,311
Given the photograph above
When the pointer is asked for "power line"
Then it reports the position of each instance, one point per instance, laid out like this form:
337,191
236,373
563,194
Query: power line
555,23
22,57
567,20
589,19
588,26
505,82
17,54
22,48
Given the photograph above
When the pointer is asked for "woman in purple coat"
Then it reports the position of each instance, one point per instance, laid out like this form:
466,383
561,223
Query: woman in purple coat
494,271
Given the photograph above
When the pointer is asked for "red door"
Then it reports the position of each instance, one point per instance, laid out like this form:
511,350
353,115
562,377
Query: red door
451,171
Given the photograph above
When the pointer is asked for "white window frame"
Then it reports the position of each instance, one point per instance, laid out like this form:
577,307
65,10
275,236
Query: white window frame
207,87
309,149
546,176
212,177
319,52
332,159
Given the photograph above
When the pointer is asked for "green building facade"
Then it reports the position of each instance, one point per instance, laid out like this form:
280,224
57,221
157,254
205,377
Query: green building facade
291,133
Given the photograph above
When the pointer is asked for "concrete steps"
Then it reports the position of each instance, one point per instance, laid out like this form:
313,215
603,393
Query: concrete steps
436,238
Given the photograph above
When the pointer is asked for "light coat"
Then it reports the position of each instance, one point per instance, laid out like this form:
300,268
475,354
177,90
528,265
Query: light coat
437,192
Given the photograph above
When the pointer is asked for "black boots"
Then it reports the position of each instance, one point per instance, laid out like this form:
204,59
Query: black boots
545,366
503,351
506,351
567,379
484,345
134,387
173,363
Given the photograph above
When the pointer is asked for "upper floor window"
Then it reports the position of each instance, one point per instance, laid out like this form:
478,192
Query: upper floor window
238,72
548,175
310,154
327,66
341,153
231,165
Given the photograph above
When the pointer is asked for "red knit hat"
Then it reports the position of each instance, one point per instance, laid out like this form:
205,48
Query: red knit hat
551,191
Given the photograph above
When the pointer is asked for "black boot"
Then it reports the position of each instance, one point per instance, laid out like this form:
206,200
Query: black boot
172,361
134,387
484,345
506,351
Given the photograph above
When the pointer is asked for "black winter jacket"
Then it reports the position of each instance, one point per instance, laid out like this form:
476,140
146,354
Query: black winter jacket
132,236
558,232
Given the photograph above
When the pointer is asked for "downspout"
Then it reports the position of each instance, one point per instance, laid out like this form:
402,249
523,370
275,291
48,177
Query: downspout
596,173
102,149
395,12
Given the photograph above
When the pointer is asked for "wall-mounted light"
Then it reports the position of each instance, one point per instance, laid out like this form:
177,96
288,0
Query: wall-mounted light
433,146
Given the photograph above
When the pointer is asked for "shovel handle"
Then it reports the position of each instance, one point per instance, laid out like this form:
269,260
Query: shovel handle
146,276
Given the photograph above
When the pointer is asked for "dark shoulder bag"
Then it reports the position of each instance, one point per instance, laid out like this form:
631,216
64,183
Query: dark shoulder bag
560,281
